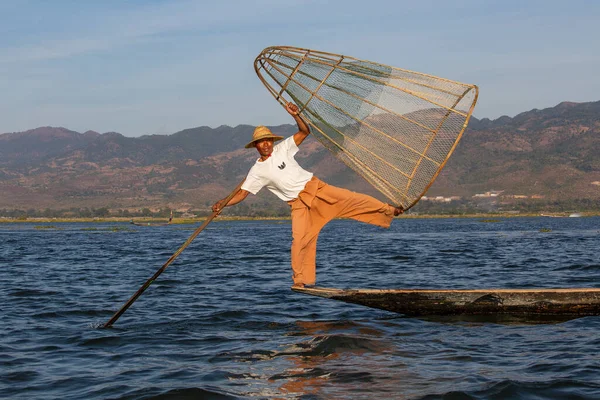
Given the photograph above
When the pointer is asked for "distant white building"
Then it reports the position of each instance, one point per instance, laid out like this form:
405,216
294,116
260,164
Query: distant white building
491,193
441,199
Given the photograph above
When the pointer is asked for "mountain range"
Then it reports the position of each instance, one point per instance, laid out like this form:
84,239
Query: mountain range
551,154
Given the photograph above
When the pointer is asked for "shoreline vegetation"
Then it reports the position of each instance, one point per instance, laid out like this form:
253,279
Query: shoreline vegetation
487,217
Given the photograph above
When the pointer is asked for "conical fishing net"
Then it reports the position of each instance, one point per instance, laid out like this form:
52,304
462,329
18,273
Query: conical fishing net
394,127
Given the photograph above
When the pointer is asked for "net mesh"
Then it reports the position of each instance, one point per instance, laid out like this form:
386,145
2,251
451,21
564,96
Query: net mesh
394,127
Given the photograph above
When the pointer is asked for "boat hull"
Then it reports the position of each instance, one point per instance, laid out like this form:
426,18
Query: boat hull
423,302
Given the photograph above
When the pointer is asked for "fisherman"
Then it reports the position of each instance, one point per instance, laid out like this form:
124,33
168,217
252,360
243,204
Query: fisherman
313,202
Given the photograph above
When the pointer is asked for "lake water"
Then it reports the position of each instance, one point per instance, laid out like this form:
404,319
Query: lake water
222,323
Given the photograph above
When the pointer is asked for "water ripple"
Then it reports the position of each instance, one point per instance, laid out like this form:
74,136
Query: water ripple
221,322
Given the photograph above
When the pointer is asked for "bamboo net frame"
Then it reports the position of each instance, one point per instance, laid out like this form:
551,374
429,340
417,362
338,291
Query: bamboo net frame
396,128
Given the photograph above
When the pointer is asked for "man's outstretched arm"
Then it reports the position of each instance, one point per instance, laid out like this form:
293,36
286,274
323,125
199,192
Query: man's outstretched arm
237,198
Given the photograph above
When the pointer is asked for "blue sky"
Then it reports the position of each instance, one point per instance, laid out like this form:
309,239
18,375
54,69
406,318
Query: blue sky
157,67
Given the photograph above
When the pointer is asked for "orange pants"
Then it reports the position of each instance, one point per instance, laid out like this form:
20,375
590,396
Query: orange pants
315,206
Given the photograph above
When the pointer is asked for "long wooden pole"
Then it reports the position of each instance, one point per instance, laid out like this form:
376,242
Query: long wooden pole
145,286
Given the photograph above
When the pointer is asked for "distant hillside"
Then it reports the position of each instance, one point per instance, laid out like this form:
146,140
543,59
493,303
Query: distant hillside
550,154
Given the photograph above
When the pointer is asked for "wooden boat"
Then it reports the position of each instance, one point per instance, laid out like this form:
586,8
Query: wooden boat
149,223
153,223
423,302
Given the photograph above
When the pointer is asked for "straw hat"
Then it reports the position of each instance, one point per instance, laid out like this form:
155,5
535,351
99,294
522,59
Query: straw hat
260,133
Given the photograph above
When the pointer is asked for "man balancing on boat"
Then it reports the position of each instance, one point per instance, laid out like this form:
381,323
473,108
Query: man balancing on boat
313,202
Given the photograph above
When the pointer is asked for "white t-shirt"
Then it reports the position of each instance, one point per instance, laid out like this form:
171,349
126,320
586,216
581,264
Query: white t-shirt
280,173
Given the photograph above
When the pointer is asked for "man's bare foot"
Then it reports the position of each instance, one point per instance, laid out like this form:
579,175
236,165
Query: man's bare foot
298,285
397,210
